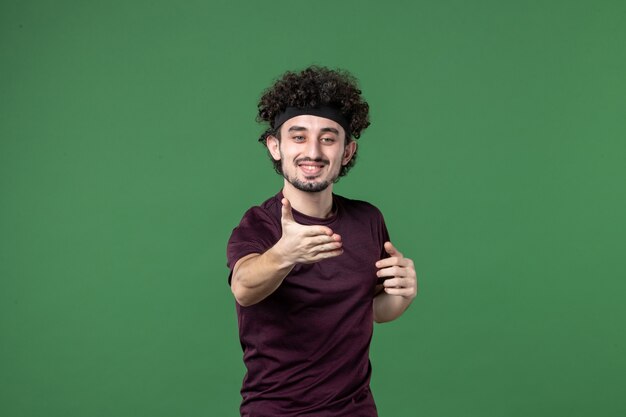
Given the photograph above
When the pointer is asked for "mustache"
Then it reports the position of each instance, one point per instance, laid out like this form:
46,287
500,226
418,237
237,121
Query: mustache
307,159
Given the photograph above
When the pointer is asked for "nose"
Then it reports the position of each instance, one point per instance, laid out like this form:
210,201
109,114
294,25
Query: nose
313,149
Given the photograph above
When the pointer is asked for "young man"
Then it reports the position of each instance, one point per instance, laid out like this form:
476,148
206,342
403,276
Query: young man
310,270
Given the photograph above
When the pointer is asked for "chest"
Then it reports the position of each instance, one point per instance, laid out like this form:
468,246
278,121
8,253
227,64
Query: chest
349,276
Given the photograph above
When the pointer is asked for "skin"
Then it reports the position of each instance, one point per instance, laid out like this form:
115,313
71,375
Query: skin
313,150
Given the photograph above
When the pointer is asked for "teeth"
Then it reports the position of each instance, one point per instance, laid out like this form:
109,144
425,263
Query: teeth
310,168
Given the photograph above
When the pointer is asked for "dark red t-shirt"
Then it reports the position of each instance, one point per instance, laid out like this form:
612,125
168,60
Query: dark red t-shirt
306,346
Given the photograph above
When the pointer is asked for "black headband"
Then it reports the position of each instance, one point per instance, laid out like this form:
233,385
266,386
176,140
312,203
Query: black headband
327,112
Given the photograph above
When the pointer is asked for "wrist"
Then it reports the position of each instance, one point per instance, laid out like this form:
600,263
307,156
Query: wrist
278,256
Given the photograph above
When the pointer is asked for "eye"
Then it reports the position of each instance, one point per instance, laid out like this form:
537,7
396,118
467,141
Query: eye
328,140
298,138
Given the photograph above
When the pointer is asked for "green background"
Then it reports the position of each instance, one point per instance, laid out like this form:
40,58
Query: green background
128,153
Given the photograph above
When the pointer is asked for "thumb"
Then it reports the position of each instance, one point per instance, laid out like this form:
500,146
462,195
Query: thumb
392,251
286,213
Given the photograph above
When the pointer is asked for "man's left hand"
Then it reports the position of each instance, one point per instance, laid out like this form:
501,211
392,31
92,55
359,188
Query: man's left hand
399,272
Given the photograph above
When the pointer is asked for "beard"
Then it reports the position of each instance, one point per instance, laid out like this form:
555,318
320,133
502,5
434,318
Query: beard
309,187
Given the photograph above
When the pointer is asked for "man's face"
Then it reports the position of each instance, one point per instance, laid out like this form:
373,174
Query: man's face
312,151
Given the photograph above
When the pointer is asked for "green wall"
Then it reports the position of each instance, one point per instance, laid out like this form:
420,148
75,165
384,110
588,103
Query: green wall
128,153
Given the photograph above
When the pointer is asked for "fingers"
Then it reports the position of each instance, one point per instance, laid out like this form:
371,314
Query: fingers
393,271
387,262
396,258
287,217
392,251
398,273
318,231
304,243
321,244
325,255
328,247
286,213
404,292
323,239
405,287
397,283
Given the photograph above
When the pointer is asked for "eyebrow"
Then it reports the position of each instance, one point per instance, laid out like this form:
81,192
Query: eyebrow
302,128
297,128
330,129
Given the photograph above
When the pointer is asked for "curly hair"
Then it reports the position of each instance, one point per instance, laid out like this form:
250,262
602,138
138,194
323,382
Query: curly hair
312,87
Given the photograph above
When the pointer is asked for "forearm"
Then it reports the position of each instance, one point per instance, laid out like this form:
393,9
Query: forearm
389,307
257,276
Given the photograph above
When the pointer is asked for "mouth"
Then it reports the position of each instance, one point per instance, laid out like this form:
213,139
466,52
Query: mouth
310,168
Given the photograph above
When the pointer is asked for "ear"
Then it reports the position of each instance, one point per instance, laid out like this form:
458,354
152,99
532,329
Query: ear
273,146
348,152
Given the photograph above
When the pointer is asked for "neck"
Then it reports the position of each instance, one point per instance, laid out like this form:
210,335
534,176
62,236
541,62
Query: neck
319,204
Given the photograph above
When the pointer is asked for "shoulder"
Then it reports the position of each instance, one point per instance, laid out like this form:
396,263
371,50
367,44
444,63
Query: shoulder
272,204
357,206
268,211
259,223
257,231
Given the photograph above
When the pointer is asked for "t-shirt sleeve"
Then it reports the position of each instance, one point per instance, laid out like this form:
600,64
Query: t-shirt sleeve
383,235
256,233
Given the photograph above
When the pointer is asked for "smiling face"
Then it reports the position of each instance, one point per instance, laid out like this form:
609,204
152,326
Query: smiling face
312,151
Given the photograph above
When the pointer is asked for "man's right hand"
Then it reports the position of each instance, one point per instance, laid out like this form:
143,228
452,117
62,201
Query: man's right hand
255,276
305,244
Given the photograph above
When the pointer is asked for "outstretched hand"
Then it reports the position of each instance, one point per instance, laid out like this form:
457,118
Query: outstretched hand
305,244
399,272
